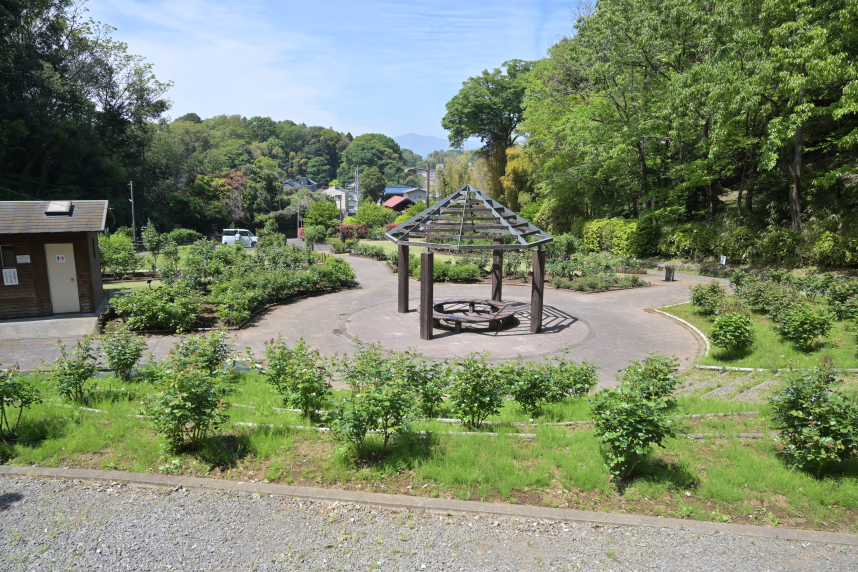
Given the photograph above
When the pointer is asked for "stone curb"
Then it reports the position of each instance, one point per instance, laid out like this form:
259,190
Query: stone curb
438,506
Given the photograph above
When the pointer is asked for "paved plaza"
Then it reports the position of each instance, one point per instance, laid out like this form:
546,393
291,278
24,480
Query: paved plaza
609,328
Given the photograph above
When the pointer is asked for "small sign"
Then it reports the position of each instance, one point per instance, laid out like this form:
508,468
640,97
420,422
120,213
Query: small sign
723,260
23,258
61,257
10,277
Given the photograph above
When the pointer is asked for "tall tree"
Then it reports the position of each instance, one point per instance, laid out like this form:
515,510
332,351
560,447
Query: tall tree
489,106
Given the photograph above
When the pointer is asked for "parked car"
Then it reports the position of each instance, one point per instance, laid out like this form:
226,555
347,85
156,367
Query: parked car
239,236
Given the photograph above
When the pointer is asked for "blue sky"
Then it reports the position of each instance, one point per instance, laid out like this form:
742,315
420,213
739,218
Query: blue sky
356,66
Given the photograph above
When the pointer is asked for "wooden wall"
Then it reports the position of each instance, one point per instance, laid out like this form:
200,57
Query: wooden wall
32,296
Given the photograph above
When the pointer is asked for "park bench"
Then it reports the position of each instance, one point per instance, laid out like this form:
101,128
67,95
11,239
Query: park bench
498,313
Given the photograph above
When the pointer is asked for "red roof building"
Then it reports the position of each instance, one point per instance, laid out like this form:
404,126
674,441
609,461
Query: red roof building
398,204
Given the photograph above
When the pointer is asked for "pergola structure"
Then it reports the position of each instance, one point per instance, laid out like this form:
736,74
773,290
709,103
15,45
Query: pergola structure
454,223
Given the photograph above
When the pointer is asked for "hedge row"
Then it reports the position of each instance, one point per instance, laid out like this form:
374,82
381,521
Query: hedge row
639,238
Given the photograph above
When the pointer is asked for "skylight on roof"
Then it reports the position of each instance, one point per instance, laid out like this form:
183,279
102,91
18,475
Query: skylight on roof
58,207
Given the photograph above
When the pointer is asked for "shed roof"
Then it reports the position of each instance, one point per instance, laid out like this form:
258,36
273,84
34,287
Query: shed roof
393,201
468,215
20,217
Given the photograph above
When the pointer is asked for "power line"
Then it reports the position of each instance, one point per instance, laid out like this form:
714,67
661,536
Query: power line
22,194
61,186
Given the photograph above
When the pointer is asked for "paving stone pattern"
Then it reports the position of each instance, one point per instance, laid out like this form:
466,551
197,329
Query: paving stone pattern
71,525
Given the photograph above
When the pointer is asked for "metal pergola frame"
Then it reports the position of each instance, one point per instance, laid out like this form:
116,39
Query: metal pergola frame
468,214
447,216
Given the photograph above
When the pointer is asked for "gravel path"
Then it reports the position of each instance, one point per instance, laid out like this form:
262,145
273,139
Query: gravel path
74,525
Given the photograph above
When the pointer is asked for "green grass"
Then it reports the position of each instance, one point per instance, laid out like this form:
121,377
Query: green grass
771,350
739,480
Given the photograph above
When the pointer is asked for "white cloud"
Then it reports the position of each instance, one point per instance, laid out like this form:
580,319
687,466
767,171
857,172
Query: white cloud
369,66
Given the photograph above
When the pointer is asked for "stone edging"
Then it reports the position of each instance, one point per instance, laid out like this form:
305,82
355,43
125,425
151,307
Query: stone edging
438,506
680,320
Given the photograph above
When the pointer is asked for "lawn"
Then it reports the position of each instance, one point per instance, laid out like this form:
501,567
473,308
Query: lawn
723,479
771,351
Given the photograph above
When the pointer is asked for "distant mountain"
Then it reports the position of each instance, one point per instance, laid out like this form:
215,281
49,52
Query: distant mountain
425,144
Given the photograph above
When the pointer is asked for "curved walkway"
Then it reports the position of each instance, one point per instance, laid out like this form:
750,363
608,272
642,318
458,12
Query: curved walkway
608,328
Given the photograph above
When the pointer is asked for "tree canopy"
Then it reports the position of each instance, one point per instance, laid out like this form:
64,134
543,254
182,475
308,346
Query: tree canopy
490,106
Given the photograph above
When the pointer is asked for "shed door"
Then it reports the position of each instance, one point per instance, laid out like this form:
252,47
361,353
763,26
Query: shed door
62,278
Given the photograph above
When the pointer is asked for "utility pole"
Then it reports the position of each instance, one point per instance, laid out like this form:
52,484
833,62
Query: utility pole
133,218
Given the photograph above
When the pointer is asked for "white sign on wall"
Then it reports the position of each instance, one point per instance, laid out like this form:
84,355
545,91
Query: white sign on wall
10,276
61,257
23,258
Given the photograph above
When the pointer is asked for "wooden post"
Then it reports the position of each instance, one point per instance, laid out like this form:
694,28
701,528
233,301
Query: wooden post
537,292
427,302
402,271
497,272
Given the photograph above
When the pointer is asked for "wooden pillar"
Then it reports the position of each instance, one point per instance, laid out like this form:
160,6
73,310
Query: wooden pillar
537,293
402,271
497,272
427,301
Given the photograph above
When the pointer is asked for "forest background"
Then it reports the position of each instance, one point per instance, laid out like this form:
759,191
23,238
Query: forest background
683,128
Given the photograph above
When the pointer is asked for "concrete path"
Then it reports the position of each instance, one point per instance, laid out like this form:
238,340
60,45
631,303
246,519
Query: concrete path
608,328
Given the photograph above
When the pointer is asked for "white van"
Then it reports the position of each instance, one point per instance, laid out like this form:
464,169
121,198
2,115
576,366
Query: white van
239,236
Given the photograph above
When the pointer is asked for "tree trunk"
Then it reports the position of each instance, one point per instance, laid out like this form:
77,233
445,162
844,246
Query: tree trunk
795,173
710,203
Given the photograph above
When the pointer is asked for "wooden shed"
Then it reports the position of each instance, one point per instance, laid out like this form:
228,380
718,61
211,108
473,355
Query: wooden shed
49,256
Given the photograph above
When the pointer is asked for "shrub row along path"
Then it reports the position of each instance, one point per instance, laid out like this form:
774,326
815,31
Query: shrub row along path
609,328
50,524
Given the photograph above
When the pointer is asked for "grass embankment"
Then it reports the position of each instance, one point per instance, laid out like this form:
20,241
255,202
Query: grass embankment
723,479
771,350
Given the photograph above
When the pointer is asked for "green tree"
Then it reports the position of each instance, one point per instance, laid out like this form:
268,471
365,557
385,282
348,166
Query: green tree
318,170
489,106
372,215
372,184
323,213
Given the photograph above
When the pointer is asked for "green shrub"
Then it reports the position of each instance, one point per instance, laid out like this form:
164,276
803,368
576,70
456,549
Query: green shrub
732,331
737,245
314,234
117,254
803,324
203,264
592,234
476,391
842,297
204,352
298,374
166,308
122,349
533,385
831,250
562,247
428,379
777,246
693,240
188,403
242,299
72,371
334,273
818,425
378,399
639,413
708,297
643,240
18,393
369,250
180,235
153,241
337,245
